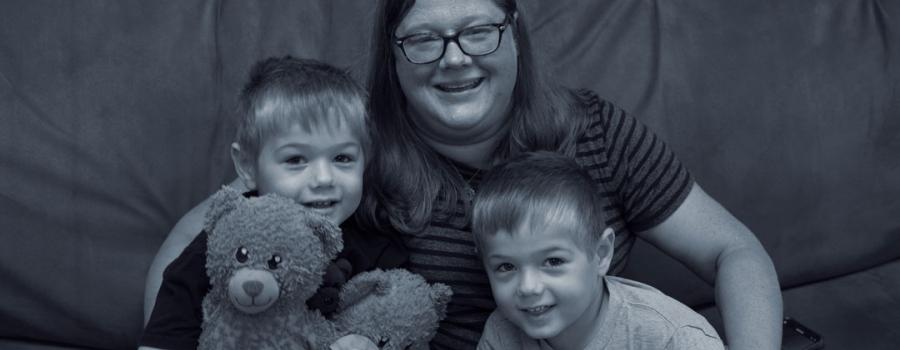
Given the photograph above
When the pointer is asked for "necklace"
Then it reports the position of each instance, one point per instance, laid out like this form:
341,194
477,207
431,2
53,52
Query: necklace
470,190
472,177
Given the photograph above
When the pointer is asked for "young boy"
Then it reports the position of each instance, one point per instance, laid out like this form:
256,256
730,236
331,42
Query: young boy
302,134
543,239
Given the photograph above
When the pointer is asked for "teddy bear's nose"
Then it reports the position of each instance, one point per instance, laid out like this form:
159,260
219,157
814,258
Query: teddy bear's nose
253,288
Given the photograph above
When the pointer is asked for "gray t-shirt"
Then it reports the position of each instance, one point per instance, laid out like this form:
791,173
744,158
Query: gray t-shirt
634,316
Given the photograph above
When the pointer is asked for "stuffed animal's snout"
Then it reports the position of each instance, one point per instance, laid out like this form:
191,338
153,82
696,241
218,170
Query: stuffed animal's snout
253,291
252,288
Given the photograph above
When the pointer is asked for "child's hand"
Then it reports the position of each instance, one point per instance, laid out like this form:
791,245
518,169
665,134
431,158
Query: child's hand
353,342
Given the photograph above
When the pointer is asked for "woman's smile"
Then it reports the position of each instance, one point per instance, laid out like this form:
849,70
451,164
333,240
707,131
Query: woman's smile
459,86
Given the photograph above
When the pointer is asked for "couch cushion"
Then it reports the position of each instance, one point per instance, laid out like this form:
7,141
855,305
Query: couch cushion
856,311
785,112
115,122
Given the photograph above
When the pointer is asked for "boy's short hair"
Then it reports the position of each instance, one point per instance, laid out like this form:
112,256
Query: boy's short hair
538,188
285,91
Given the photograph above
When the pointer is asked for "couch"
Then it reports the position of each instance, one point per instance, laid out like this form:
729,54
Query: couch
115,121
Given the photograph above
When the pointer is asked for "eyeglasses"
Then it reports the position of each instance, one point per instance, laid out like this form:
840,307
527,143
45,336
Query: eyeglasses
473,41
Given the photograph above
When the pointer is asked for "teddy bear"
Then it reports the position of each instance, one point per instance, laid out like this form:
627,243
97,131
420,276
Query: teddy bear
411,308
266,258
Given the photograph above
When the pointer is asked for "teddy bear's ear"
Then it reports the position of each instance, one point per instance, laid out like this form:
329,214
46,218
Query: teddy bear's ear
361,286
440,294
223,202
329,234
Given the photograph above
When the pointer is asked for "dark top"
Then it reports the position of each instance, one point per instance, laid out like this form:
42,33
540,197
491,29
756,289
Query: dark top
640,181
177,315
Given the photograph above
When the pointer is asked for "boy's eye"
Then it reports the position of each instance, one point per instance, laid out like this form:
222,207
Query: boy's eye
505,267
295,160
343,158
555,261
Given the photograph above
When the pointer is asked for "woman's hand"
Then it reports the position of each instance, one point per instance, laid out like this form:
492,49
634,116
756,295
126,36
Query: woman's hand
353,342
720,249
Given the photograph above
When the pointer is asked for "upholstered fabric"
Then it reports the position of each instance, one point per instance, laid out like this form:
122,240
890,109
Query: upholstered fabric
856,311
115,120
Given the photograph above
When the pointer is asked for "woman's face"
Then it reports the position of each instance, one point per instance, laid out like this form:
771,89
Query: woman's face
458,99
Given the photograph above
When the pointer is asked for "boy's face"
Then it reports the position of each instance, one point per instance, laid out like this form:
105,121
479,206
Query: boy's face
320,169
545,281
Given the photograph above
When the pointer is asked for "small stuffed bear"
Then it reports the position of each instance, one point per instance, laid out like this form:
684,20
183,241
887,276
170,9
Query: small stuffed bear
395,308
265,257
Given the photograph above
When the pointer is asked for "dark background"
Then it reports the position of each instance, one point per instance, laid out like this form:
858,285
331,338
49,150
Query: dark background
115,120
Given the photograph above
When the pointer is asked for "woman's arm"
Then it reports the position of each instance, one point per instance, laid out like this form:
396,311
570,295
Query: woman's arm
720,249
181,235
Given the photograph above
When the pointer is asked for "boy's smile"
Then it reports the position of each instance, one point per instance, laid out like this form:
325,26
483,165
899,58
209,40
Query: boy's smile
322,206
321,169
537,310
325,208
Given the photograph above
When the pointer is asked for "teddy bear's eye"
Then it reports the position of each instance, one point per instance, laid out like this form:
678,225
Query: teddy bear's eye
242,254
274,261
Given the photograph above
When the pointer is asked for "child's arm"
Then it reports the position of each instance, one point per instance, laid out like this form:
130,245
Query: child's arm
181,235
177,315
184,232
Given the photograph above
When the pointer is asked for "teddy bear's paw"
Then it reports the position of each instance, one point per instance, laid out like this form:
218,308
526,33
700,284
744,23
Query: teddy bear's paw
325,300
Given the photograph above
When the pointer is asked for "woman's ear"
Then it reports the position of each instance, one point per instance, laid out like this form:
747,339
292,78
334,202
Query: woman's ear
605,250
244,166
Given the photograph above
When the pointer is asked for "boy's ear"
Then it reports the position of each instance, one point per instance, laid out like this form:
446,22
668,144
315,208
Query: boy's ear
244,166
605,250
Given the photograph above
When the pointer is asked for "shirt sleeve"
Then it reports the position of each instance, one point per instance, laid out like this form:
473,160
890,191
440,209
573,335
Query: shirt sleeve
645,175
694,338
175,322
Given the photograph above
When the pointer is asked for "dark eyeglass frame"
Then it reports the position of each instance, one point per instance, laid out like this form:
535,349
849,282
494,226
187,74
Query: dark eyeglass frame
455,38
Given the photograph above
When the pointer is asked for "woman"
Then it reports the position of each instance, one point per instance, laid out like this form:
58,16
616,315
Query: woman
454,90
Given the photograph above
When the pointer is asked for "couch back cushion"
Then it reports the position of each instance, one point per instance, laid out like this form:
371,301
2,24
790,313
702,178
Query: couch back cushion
116,120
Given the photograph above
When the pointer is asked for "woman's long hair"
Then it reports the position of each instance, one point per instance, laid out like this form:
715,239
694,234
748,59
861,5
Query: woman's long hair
407,182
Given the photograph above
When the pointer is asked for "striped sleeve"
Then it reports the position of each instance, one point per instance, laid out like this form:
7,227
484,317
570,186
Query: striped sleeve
650,183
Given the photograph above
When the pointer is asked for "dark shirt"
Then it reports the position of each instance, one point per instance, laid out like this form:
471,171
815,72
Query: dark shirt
177,315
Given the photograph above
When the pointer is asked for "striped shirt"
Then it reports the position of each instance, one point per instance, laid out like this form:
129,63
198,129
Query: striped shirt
641,183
